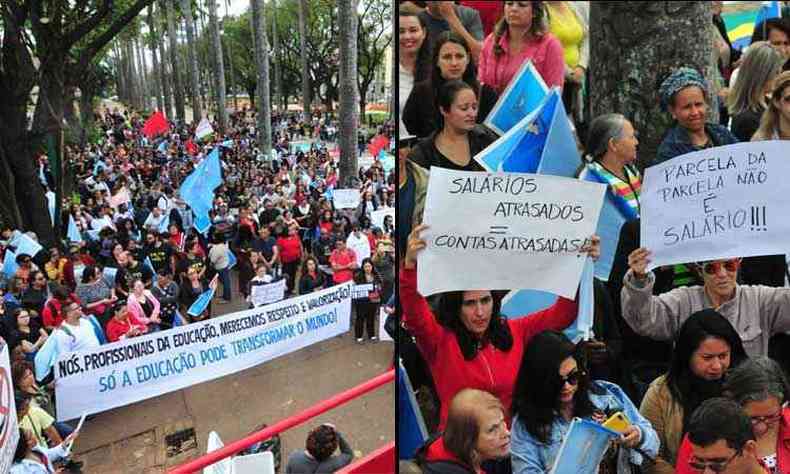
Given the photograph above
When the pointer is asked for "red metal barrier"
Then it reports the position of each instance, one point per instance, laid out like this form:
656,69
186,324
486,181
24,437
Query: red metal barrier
315,410
380,461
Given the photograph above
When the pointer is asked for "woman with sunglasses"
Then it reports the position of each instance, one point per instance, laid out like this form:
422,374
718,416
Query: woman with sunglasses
706,347
552,389
760,387
756,312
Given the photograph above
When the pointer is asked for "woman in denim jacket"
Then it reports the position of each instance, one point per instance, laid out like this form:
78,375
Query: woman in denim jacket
552,389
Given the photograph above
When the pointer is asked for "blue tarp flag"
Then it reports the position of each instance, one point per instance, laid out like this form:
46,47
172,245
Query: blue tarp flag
162,147
412,432
232,260
542,143
523,95
26,245
581,329
177,319
46,357
73,234
164,223
9,264
201,303
583,448
227,144
767,11
93,234
197,189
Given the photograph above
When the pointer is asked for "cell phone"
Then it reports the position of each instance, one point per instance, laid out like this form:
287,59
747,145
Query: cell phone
617,422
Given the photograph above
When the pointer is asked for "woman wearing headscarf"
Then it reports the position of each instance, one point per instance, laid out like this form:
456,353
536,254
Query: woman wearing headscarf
706,347
684,94
468,343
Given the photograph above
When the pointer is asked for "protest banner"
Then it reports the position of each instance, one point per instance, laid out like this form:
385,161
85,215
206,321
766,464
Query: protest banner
267,294
523,95
583,448
9,429
483,224
377,217
361,291
723,202
346,198
124,372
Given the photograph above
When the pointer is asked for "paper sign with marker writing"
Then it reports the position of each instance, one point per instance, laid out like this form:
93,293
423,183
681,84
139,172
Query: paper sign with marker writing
722,202
506,231
346,198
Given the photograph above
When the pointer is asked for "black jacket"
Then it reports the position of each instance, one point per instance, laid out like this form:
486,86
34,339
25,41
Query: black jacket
426,154
421,115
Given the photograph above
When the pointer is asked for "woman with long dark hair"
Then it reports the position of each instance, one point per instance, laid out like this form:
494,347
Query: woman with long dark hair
552,389
367,307
706,347
452,60
413,54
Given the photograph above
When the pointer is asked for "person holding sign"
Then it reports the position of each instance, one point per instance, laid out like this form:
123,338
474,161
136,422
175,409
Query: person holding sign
459,137
551,377
469,344
33,458
461,450
368,306
756,312
685,96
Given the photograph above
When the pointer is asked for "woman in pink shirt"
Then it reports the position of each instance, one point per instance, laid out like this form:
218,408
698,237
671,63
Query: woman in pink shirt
520,35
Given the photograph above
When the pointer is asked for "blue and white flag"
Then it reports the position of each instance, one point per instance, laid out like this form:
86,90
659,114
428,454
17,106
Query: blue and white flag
147,263
178,320
767,11
543,143
201,303
412,432
232,260
582,328
93,234
197,190
109,274
26,245
523,94
164,223
227,144
73,233
9,264
46,357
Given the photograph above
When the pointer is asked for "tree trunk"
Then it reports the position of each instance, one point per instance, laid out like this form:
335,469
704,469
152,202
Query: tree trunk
155,72
144,82
194,75
132,71
167,88
119,77
178,87
306,100
232,86
219,67
649,40
278,80
264,115
347,38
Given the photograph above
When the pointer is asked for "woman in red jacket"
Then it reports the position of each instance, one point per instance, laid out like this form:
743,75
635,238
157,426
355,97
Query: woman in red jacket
290,246
759,386
469,344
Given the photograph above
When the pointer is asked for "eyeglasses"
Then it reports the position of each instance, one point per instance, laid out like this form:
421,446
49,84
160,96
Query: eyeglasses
712,268
572,378
720,466
768,420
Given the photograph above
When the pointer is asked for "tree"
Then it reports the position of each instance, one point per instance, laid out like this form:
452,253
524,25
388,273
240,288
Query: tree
219,68
156,72
647,41
375,28
306,97
178,88
347,15
278,80
264,117
192,69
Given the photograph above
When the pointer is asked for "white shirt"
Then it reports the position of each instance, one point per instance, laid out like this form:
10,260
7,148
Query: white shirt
405,85
81,337
360,245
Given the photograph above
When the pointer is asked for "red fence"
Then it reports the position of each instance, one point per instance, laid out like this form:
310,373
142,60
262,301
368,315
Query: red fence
315,410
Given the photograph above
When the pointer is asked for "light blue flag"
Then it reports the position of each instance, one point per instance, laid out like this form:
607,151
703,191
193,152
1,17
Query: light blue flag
201,303
767,11
523,95
387,161
73,234
93,234
581,329
518,303
162,147
9,264
583,448
26,245
164,223
227,144
46,357
197,190
178,320
51,198
231,259
109,274
541,143
412,432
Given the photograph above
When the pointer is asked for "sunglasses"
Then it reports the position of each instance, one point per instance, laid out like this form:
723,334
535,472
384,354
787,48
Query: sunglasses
720,466
572,378
712,268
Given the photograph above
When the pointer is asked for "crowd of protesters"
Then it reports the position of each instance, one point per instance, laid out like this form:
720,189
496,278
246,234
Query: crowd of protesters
693,356
138,263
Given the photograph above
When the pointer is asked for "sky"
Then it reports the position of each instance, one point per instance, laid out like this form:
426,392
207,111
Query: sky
236,7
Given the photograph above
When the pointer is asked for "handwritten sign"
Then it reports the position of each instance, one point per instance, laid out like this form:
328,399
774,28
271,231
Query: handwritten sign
506,231
378,216
267,294
361,291
722,202
346,198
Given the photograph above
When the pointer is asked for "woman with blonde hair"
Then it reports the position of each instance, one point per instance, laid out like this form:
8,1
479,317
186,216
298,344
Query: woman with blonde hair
748,98
775,123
